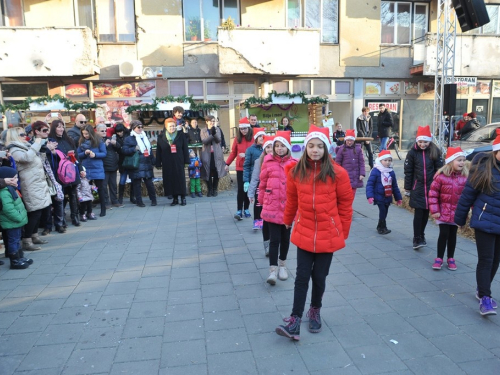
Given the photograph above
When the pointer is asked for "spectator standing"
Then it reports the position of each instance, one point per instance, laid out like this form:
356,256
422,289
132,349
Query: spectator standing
110,163
121,134
364,126
75,133
339,133
212,158
384,125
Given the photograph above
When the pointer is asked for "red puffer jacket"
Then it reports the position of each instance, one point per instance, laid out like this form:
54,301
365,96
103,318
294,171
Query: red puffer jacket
444,195
236,150
272,187
324,210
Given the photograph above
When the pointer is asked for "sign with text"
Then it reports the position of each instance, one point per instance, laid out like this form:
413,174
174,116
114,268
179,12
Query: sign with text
297,113
393,107
463,81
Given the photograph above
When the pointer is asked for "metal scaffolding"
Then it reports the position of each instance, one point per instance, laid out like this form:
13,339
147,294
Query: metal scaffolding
445,68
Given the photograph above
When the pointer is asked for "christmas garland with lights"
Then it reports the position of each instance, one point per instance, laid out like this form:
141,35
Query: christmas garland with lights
68,104
269,100
173,99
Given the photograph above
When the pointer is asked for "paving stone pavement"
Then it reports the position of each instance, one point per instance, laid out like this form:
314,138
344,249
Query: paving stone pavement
181,290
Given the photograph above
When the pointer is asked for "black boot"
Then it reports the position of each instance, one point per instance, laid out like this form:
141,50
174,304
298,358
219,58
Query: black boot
21,256
215,187
73,205
209,187
183,200
292,329
383,229
314,319
16,263
175,202
133,200
121,191
379,227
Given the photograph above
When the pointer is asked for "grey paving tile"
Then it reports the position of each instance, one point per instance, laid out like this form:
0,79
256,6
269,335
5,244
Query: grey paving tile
19,343
460,348
107,318
83,299
78,314
46,356
257,305
183,312
232,363
148,309
183,353
373,359
119,301
101,337
61,334
30,323
136,368
432,325
438,364
90,361
227,340
411,345
489,366
43,307
185,370
139,349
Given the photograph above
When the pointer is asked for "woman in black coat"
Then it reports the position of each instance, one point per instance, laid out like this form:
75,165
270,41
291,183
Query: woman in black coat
139,142
172,154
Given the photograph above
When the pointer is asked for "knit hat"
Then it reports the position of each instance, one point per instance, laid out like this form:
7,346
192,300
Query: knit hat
28,129
384,154
268,140
7,172
424,133
135,123
496,142
452,153
350,135
284,137
316,132
257,132
244,123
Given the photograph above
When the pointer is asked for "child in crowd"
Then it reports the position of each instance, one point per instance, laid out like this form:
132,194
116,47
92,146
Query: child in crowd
251,155
482,193
13,217
421,164
381,186
194,174
319,195
338,134
85,198
443,198
350,157
272,194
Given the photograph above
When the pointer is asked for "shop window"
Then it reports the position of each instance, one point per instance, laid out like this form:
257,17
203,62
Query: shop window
403,22
244,88
202,17
317,14
495,110
12,13
322,87
280,87
84,13
217,88
195,88
24,90
342,87
302,85
177,88
115,21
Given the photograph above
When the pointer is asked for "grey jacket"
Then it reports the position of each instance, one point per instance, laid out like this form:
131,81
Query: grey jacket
210,141
255,179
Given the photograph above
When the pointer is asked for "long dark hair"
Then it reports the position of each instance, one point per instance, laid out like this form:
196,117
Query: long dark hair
303,168
65,136
481,172
94,138
248,137
434,153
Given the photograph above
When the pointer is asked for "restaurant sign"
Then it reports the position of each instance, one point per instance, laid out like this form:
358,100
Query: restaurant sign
393,107
463,81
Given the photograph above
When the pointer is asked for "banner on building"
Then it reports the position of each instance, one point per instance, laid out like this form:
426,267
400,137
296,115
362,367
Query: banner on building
374,106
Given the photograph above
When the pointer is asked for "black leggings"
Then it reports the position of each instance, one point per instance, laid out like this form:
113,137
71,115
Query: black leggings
368,148
420,222
447,236
242,198
488,258
383,209
265,230
33,221
101,190
279,242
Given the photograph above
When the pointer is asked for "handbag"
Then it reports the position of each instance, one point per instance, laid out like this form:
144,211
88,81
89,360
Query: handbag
50,184
131,162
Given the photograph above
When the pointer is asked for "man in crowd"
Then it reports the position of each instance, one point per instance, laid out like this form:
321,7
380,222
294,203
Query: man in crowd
253,121
75,132
178,113
364,126
384,126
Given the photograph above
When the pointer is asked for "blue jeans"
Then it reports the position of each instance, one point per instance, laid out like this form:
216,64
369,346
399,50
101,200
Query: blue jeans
383,143
57,212
123,177
13,239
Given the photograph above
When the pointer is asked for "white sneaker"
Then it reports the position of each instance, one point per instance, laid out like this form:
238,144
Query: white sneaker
266,248
271,279
282,272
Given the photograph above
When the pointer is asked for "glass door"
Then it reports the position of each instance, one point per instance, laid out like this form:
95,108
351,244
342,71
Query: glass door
480,106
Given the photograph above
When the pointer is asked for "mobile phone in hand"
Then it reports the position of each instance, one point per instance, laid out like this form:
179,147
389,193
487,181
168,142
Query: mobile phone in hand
3,154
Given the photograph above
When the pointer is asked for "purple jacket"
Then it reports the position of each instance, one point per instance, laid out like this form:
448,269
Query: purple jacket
352,160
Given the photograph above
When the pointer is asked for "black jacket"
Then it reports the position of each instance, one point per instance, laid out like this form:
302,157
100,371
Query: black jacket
361,128
384,124
172,164
194,135
111,161
469,127
145,163
336,135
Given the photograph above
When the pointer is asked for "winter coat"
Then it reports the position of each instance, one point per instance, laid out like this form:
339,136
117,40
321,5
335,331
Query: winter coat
485,207
237,149
121,156
194,136
64,146
34,188
361,128
172,164
194,167
352,160
75,134
336,135
323,209
210,142
375,189
84,191
272,187
251,155
146,163
255,180
384,124
13,213
94,166
444,195
419,173
110,161
470,126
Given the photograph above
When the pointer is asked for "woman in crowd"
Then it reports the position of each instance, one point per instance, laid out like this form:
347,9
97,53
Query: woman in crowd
110,163
212,157
121,134
285,123
139,142
171,155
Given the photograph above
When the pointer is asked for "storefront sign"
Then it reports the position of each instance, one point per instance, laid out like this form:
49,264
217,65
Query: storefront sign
392,88
168,106
297,113
463,81
76,91
393,107
124,90
48,106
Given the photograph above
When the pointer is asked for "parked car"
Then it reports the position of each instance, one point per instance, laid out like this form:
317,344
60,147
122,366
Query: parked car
477,141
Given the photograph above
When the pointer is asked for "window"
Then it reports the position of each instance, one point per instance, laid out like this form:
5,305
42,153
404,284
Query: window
281,87
403,22
493,26
12,13
202,17
84,13
16,93
342,87
318,14
302,85
322,87
115,21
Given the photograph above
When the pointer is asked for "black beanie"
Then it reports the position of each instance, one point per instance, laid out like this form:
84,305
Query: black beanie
7,172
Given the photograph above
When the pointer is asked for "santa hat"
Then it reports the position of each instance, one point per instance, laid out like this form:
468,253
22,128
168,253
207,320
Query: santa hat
496,142
424,133
321,133
452,153
384,154
257,132
350,135
268,140
465,114
244,123
284,137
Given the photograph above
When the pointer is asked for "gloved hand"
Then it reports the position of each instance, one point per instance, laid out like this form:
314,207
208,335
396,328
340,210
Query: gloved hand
371,200
245,186
399,203
213,130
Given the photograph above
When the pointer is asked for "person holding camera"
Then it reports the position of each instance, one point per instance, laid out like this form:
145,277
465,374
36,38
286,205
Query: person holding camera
212,157
110,163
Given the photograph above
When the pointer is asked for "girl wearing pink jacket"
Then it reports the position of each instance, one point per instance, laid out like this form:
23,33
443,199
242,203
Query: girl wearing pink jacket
272,194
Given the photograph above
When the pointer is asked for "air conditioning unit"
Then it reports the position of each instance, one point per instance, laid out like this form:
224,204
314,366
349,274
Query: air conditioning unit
130,68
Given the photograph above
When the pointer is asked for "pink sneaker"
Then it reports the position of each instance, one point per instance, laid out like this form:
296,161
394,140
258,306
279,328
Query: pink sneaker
451,264
438,263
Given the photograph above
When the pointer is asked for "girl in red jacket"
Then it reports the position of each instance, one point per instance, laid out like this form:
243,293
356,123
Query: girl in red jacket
319,196
272,194
244,139
443,199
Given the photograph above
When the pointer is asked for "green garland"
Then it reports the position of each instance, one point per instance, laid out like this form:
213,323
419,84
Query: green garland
68,104
269,100
173,99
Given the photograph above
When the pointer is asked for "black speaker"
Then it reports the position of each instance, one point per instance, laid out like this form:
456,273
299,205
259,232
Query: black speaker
471,14
450,99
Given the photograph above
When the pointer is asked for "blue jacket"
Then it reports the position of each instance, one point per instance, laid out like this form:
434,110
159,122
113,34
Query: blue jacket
485,207
93,166
251,154
194,170
145,163
375,189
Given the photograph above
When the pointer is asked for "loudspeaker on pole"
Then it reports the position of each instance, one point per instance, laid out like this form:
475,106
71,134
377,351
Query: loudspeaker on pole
450,99
471,14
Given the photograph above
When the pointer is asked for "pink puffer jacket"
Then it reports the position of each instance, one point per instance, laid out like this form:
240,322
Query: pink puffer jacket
444,195
272,188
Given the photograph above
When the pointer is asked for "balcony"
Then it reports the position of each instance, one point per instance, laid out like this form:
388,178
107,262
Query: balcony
269,51
42,52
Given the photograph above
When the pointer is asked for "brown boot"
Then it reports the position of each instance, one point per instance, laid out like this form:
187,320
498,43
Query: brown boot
28,245
37,240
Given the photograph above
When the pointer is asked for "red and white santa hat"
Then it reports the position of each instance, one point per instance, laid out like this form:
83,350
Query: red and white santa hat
257,132
284,137
350,135
384,154
268,140
452,153
244,123
496,142
316,132
424,133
